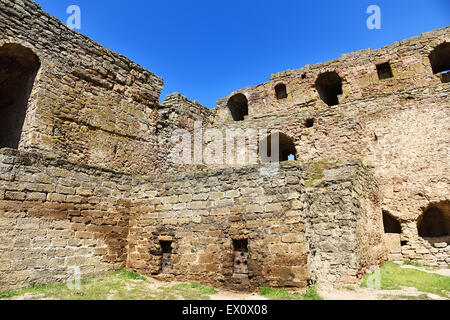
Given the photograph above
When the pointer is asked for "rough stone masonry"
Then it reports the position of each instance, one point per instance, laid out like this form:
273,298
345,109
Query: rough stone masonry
86,179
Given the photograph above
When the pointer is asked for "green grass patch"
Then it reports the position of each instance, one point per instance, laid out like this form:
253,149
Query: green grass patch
121,284
283,294
129,274
35,291
393,277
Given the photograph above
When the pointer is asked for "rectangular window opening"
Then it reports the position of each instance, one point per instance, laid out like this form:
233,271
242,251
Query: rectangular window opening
384,71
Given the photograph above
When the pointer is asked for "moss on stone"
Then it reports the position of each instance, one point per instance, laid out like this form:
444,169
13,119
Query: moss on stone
314,170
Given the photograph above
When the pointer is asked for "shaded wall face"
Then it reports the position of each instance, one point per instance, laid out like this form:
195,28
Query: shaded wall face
18,67
76,118
88,105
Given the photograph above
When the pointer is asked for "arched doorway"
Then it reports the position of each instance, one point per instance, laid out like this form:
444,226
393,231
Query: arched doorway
434,224
392,233
18,68
280,91
329,86
282,145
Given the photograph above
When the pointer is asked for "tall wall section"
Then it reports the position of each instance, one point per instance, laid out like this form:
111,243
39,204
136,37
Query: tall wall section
315,220
87,104
178,119
55,215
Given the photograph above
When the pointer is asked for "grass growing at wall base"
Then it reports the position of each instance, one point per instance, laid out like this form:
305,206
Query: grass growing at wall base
283,294
118,285
393,277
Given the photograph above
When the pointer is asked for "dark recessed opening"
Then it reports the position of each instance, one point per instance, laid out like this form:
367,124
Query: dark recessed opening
283,146
329,86
391,225
309,123
403,243
280,91
304,76
166,246
384,71
240,256
18,68
440,61
238,106
240,245
434,224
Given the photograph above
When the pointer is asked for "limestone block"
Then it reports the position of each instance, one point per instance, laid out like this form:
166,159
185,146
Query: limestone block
392,241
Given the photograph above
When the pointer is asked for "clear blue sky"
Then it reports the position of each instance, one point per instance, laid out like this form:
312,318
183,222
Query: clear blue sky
207,49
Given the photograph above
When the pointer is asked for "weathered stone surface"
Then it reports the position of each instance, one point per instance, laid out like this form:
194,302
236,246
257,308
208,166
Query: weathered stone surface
72,197
282,249
393,242
51,232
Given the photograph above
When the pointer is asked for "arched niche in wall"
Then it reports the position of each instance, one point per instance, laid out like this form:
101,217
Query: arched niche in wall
238,106
281,91
434,224
440,61
277,147
18,69
329,86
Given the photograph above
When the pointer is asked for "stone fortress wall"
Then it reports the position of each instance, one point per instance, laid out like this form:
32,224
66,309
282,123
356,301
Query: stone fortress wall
294,234
87,104
92,185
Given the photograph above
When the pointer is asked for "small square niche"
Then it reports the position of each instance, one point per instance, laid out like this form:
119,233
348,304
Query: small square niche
384,71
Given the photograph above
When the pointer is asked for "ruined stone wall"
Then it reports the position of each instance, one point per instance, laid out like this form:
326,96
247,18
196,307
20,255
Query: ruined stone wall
316,220
409,153
404,139
397,126
87,104
178,116
203,212
409,62
342,212
55,215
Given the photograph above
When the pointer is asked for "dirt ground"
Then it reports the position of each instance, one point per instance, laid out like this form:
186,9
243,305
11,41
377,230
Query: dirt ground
349,293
